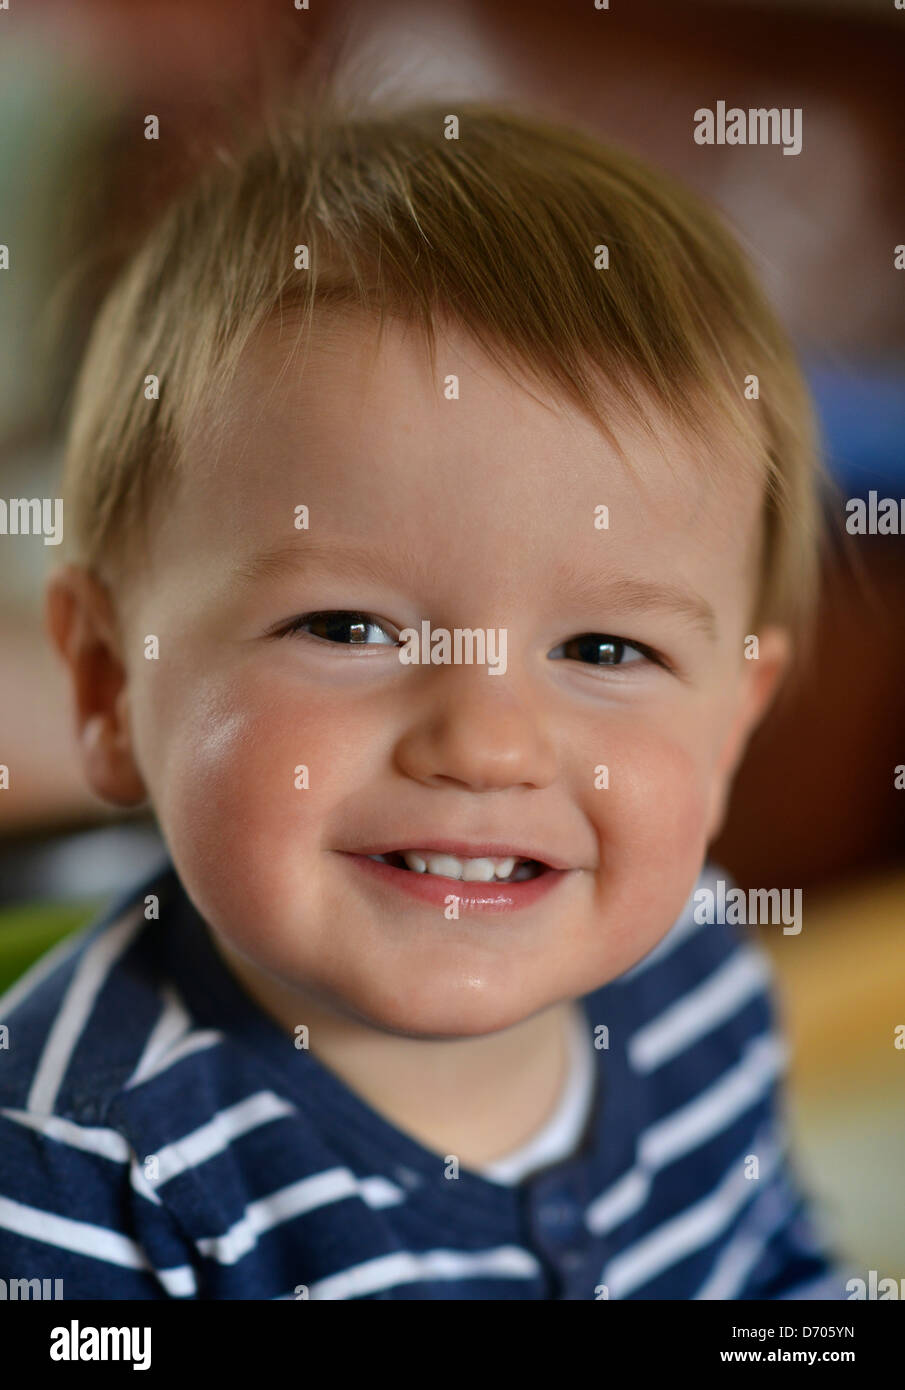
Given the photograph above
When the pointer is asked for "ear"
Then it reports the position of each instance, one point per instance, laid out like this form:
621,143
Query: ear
81,623
759,681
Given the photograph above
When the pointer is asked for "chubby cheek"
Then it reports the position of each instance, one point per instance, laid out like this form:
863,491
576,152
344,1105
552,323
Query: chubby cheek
224,765
651,825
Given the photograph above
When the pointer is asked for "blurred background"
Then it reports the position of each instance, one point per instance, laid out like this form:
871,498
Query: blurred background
816,805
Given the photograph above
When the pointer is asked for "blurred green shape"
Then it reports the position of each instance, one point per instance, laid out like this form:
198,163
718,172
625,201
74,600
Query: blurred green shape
27,931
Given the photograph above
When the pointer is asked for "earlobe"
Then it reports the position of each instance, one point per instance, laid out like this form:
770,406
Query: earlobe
81,624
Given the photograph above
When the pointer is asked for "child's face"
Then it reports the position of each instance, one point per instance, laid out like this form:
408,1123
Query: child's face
477,512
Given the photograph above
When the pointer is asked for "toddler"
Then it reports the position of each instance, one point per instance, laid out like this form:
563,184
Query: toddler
441,519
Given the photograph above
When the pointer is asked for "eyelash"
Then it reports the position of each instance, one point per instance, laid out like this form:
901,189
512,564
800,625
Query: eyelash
295,628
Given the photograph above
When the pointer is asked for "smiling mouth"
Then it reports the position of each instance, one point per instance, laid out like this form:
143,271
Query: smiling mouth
484,870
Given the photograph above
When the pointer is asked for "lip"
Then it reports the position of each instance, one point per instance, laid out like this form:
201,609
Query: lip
462,849
472,896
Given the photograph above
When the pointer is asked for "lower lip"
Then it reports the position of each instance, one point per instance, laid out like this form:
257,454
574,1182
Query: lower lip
473,897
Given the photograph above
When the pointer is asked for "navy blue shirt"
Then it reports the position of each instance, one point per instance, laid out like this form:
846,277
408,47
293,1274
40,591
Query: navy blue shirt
162,1137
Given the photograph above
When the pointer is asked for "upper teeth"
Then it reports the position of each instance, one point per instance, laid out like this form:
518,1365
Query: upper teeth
470,870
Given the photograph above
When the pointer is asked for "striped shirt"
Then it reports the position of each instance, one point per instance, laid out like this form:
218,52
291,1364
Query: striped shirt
162,1137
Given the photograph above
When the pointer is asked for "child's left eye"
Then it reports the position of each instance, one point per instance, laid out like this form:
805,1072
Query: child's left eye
601,649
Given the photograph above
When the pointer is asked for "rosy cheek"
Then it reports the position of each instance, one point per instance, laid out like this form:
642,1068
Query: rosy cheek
651,829
656,800
230,784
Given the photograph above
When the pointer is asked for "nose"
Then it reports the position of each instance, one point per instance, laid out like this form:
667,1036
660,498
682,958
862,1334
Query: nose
476,733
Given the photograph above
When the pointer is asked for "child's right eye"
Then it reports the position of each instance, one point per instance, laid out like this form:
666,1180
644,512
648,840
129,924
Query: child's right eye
329,625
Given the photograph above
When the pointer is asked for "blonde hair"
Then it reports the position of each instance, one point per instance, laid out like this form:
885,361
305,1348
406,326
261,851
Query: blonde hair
503,231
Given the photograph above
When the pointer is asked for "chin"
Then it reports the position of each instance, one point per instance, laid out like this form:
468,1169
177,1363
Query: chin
461,1015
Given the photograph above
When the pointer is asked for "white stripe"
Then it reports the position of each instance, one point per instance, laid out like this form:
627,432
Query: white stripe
174,1022
87,1239
690,1231
685,1129
683,927
140,1183
405,1267
766,1218
179,1282
217,1134
722,994
716,1108
87,982
620,1201
193,1042
736,1263
288,1202
106,1142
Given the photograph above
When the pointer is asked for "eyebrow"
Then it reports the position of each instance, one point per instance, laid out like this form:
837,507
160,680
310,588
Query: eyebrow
635,595
347,559
627,595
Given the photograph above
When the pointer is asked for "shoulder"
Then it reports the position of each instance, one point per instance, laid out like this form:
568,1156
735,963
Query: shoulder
74,1204
79,1020
706,985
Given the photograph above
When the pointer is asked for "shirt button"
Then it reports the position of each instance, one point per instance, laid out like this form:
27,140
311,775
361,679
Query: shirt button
556,1215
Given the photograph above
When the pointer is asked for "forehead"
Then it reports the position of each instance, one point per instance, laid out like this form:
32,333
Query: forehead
463,462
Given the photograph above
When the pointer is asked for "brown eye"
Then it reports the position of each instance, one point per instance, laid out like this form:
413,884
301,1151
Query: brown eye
342,628
600,649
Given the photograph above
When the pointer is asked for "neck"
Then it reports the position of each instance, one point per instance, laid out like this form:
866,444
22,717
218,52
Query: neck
477,1098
